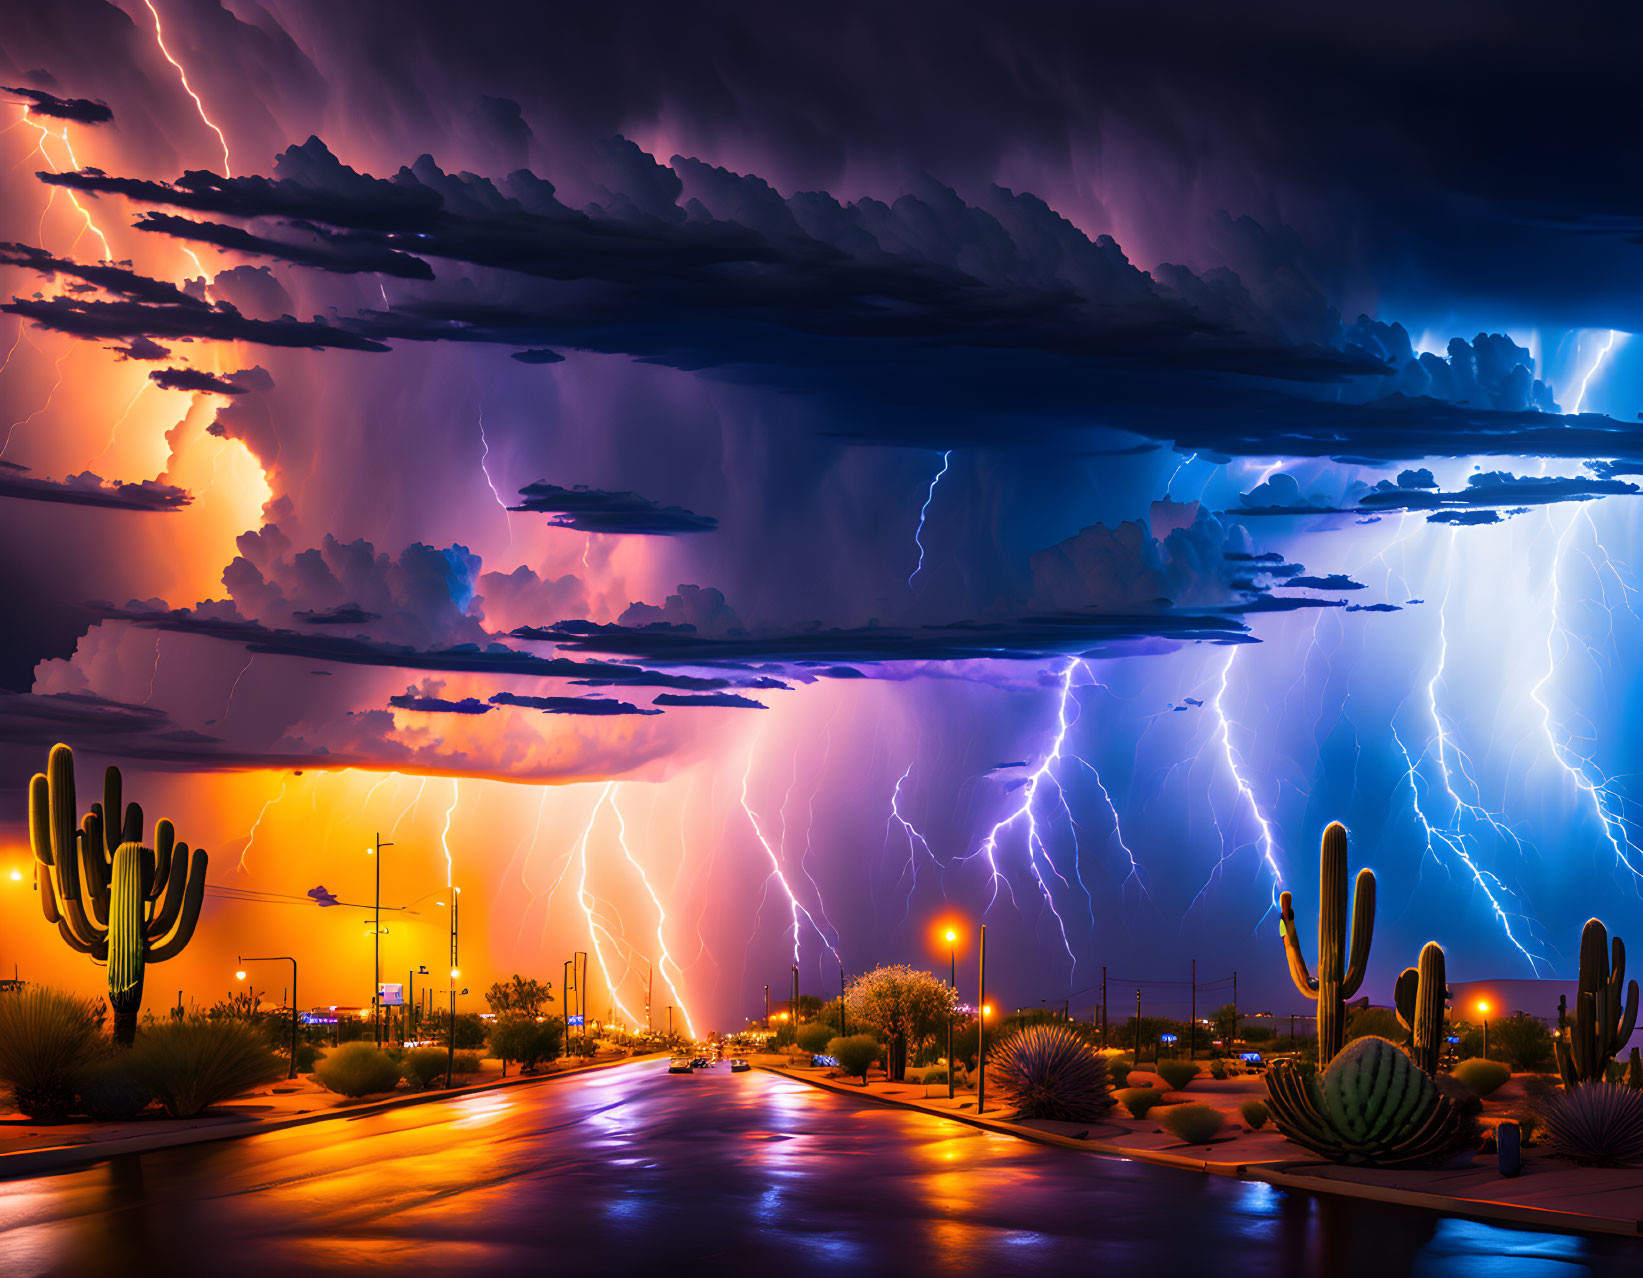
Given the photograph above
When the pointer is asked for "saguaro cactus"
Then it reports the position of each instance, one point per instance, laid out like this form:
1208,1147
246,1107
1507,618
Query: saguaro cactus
112,898
1340,965
1599,1027
1420,995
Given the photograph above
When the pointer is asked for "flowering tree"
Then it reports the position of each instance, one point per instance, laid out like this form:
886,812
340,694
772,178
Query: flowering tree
903,1004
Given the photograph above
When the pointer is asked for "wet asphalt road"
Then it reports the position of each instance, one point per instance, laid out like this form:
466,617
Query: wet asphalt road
635,1171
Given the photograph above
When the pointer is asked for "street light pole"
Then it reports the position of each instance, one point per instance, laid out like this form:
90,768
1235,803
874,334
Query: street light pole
282,958
450,1036
981,1026
767,1007
1192,1017
952,979
376,939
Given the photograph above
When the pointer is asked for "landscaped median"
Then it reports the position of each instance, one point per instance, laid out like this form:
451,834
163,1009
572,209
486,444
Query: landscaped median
32,1149
1547,1193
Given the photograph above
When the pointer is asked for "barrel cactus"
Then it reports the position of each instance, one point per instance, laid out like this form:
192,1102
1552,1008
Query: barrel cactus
1420,995
1341,961
1372,1107
1047,1071
124,904
1601,1023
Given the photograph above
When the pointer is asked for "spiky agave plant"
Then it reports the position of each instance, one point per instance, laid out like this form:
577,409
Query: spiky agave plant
1047,1071
1596,1123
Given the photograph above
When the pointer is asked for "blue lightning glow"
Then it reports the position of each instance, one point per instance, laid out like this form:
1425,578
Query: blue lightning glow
1267,840
915,839
924,511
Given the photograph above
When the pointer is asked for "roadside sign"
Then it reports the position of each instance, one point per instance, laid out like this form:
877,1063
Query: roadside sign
391,995
574,1020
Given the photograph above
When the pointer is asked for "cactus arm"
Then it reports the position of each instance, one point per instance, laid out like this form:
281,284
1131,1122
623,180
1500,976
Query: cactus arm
48,898
165,838
60,779
1305,982
132,830
171,904
111,808
1628,1022
194,895
40,818
73,941
1404,994
1363,932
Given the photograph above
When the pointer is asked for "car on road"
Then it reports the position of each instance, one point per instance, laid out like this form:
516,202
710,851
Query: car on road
679,1065
738,1065
701,1062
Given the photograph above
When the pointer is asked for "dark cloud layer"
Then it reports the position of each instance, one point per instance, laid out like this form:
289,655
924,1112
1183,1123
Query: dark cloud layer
592,510
79,110
92,490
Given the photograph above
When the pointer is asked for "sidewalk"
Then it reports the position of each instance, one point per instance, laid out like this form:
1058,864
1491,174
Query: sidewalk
28,1148
1547,1194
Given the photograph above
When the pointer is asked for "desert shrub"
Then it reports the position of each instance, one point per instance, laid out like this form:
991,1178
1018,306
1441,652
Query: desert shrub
1382,1022
935,1074
855,1054
1046,1071
109,1091
470,1029
424,1066
1481,1076
1176,1073
307,1054
468,1062
1595,1123
1521,1040
1217,1069
1196,1124
1254,1113
814,1036
196,1062
46,1038
525,1039
357,1069
1138,1100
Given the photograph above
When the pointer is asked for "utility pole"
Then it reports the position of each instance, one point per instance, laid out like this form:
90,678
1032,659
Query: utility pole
650,985
795,996
1138,1027
981,1028
1104,1042
1234,1009
1192,1017
376,941
767,1007
450,1036
841,1005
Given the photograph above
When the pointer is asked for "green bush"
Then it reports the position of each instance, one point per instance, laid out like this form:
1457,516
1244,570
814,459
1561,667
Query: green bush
1196,1124
109,1091
307,1054
468,1063
525,1039
424,1067
46,1038
1217,1069
470,1029
1382,1022
855,1054
1480,1076
1177,1073
1138,1100
357,1069
1521,1040
1254,1113
814,1036
196,1062
935,1074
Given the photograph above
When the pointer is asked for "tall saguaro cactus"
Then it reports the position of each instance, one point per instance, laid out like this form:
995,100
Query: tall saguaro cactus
1341,964
112,898
1600,1025
1420,995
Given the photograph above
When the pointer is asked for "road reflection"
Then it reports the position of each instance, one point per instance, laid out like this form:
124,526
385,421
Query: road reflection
636,1171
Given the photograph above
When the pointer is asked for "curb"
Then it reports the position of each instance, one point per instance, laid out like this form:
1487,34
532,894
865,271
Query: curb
1106,1148
1274,1173
55,1158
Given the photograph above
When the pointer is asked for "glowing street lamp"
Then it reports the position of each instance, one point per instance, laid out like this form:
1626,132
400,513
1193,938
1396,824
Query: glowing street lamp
952,979
1483,1011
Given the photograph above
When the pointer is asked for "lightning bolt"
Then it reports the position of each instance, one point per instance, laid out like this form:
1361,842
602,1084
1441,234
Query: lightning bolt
1026,811
50,395
415,799
661,915
40,146
159,38
485,470
776,872
235,687
445,833
924,511
589,903
915,839
1267,840
115,432
252,836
